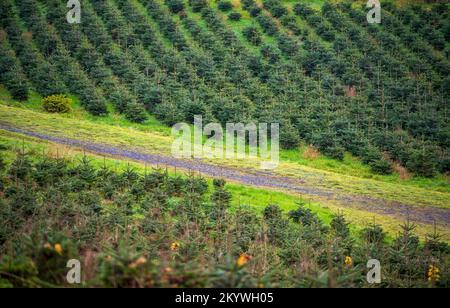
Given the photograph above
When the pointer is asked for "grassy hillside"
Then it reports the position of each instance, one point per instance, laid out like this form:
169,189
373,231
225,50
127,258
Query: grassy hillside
132,227
329,78
365,139
417,192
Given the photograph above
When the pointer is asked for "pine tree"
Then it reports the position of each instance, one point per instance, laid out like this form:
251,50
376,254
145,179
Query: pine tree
175,6
340,226
47,80
136,113
221,199
197,5
16,84
20,169
424,164
252,35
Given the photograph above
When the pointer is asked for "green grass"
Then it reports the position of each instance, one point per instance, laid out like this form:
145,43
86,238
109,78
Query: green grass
114,119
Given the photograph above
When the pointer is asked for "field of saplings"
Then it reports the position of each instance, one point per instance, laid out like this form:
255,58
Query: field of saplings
331,79
361,194
152,229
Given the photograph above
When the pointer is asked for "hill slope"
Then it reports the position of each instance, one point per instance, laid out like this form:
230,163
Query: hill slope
330,78
363,172
388,200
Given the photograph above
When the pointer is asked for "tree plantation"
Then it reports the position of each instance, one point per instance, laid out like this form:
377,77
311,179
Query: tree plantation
157,230
361,174
326,75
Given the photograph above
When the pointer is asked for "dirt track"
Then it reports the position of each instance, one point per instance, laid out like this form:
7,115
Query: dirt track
425,215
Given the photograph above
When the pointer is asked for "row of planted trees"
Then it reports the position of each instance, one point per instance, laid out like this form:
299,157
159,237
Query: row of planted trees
156,230
332,81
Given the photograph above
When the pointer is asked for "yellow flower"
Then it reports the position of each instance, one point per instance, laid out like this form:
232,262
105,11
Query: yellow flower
174,246
58,249
243,259
433,273
168,270
348,261
138,262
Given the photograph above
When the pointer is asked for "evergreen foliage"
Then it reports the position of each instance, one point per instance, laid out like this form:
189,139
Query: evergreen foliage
325,75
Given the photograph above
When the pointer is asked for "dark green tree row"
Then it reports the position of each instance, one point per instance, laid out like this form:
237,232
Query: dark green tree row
280,78
49,43
228,78
399,85
236,73
410,39
198,69
176,85
113,47
39,71
186,83
202,96
320,121
11,74
432,24
415,104
420,119
386,83
93,63
335,81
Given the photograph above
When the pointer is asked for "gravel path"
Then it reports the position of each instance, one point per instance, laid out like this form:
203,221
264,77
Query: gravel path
426,215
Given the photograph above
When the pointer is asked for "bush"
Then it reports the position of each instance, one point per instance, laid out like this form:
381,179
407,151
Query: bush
225,6
219,183
268,25
235,16
57,104
275,8
247,4
326,31
271,53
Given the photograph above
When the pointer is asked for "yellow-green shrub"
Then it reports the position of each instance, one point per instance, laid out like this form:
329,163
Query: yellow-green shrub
57,104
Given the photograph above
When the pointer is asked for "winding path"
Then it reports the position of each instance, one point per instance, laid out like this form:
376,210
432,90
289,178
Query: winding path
425,215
